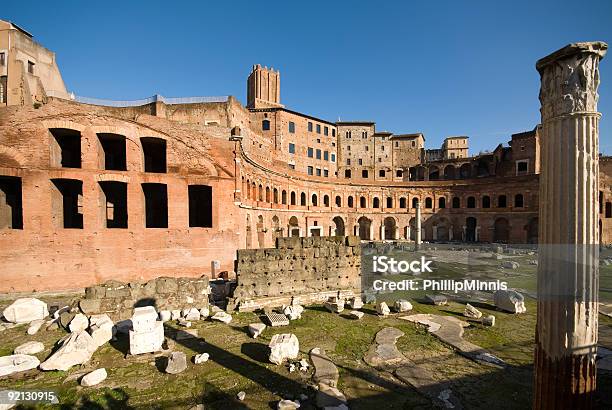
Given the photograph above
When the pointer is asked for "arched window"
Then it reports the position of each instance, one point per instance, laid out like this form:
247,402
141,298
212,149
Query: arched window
265,125
349,202
389,202
275,196
415,202
293,198
325,200
456,202
284,197
260,197
338,201
362,202
518,201
376,203
314,200
303,199
403,203
502,201
428,203
471,202
267,194
486,201
441,202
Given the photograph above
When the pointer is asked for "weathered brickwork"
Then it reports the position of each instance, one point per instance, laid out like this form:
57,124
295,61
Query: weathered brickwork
118,299
310,269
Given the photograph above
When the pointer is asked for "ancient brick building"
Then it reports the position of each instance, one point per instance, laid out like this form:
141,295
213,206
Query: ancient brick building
92,190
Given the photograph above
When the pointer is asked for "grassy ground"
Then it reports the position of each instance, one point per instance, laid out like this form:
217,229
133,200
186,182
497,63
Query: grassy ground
239,363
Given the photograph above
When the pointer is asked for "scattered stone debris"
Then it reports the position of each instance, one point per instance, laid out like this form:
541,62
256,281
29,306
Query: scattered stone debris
241,395
177,363
355,303
449,329
402,305
76,348
165,315
222,316
215,309
383,354
533,262
471,312
201,358
277,319
293,312
325,371
204,312
35,326
510,265
288,405
147,333
93,378
303,365
334,304
356,314
510,301
383,309
25,310
101,329
283,346
65,319
488,320
58,312
78,323
191,314
438,300
255,329
175,314
17,363
184,322
29,348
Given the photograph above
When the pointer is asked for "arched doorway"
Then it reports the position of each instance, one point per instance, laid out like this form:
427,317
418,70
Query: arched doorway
449,172
532,231
441,229
389,228
339,222
501,230
277,231
294,229
470,229
364,228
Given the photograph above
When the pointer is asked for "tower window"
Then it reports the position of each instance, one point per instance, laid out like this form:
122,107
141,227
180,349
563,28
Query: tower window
310,152
291,148
292,127
309,126
265,125
318,128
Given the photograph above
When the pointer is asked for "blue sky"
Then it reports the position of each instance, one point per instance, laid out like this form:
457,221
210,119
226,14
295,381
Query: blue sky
439,67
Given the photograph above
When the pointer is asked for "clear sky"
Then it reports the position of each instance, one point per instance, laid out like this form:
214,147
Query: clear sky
438,67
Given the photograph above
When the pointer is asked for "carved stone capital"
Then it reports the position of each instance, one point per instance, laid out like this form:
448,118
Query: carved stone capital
569,79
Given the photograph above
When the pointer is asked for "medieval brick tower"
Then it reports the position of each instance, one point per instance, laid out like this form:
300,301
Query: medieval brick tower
263,88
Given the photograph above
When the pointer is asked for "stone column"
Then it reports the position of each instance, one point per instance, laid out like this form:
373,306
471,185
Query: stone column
417,233
566,331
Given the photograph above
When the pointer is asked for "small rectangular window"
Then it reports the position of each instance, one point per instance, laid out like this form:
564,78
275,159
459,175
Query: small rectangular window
156,205
2,59
318,172
325,173
291,166
325,130
291,148
348,161
333,157
318,154
11,208
360,161
30,67
292,127
310,152
318,128
67,203
200,206
326,155
310,170
154,152
348,147
333,132
309,126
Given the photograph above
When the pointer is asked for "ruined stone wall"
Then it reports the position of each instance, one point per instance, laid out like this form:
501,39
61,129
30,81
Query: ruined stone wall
311,269
118,299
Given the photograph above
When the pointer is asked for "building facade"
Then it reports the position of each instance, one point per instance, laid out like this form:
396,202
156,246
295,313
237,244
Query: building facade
96,190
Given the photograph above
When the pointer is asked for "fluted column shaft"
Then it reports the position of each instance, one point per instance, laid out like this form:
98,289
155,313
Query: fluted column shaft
568,266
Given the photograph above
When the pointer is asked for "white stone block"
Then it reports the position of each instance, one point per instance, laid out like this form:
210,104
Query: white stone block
144,319
282,347
147,341
26,310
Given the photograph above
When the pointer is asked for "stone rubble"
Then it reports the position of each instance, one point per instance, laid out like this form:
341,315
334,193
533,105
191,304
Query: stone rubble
79,323
283,346
255,329
76,348
25,310
383,309
17,363
93,378
438,300
165,315
402,305
355,303
184,322
29,348
175,314
277,319
201,358
509,301
356,314
241,395
288,405
147,333
510,265
177,363
293,312
204,312
191,314
101,328
221,316
488,320
334,304
471,312
35,326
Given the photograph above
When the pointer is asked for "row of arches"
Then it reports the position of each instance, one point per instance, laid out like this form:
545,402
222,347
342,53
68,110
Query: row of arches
261,193
478,169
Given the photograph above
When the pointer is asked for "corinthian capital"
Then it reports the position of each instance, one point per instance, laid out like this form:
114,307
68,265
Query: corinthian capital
569,78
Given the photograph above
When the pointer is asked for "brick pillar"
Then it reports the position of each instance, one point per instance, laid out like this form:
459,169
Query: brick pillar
566,331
